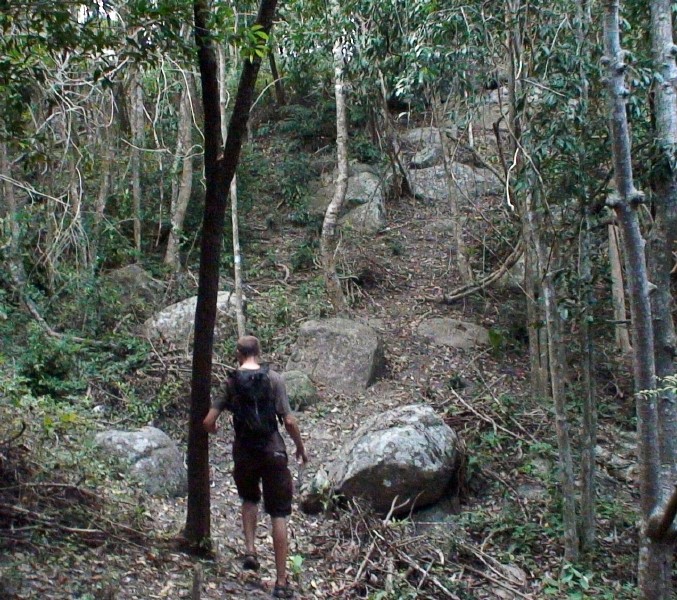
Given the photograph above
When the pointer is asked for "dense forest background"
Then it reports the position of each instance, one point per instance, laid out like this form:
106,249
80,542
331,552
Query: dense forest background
568,107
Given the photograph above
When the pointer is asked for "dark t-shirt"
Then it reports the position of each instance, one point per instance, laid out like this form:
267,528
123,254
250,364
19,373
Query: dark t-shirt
225,399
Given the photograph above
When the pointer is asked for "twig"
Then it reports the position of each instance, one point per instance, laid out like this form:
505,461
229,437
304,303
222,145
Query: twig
498,582
404,556
15,436
484,417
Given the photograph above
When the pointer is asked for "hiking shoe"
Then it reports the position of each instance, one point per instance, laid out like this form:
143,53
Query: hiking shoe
283,591
251,563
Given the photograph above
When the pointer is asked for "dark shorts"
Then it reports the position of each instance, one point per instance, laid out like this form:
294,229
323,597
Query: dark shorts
265,468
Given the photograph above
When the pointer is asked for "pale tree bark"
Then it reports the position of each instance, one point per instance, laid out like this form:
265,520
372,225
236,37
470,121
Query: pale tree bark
137,127
234,216
329,237
618,291
462,262
652,575
662,246
104,190
181,189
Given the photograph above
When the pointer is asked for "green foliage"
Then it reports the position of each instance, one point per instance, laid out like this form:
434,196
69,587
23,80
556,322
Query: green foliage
52,366
295,564
310,123
363,150
304,256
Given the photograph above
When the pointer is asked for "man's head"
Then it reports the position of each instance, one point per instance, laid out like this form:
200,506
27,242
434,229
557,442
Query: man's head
248,347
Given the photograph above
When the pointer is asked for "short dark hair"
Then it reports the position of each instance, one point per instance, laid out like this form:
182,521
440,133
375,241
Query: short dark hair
248,345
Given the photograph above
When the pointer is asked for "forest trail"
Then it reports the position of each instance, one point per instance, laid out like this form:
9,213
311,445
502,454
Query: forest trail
402,269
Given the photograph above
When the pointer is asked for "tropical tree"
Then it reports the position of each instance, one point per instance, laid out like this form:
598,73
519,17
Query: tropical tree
220,165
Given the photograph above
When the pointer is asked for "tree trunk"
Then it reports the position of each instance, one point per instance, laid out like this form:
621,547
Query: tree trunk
586,303
589,431
555,346
329,238
651,569
234,217
462,262
219,172
137,126
662,245
104,191
279,85
182,189
618,292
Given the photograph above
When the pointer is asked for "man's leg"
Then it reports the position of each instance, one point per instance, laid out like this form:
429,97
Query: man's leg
250,511
279,526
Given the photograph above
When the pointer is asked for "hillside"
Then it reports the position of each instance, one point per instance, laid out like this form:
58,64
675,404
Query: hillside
90,533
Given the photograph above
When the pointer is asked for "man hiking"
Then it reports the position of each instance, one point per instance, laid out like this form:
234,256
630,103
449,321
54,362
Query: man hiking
257,398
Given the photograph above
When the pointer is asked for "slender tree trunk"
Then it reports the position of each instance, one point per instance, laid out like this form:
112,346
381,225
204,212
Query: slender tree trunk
586,302
662,246
10,211
104,191
181,191
137,125
279,85
400,177
651,569
589,432
234,217
556,362
329,238
219,172
462,262
618,292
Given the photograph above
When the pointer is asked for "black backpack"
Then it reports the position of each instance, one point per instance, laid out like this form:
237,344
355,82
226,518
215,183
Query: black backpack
254,414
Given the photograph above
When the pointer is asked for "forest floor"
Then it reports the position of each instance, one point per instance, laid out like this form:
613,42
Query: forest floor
505,542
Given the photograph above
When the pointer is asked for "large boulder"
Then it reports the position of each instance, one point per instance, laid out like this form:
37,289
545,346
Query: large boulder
345,355
175,323
364,205
407,453
134,285
467,183
153,457
301,391
442,331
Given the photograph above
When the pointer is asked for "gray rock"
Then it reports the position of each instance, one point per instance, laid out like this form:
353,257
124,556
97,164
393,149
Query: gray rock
534,492
427,157
300,390
316,495
134,284
453,333
421,137
344,355
153,458
467,183
176,322
407,453
364,205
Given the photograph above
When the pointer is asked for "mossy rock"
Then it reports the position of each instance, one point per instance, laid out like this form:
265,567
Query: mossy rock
300,390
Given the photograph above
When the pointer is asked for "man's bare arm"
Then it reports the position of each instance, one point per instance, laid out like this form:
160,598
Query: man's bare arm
292,427
209,422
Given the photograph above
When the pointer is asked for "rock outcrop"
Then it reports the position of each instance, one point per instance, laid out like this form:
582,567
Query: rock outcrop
344,355
407,455
175,323
154,459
